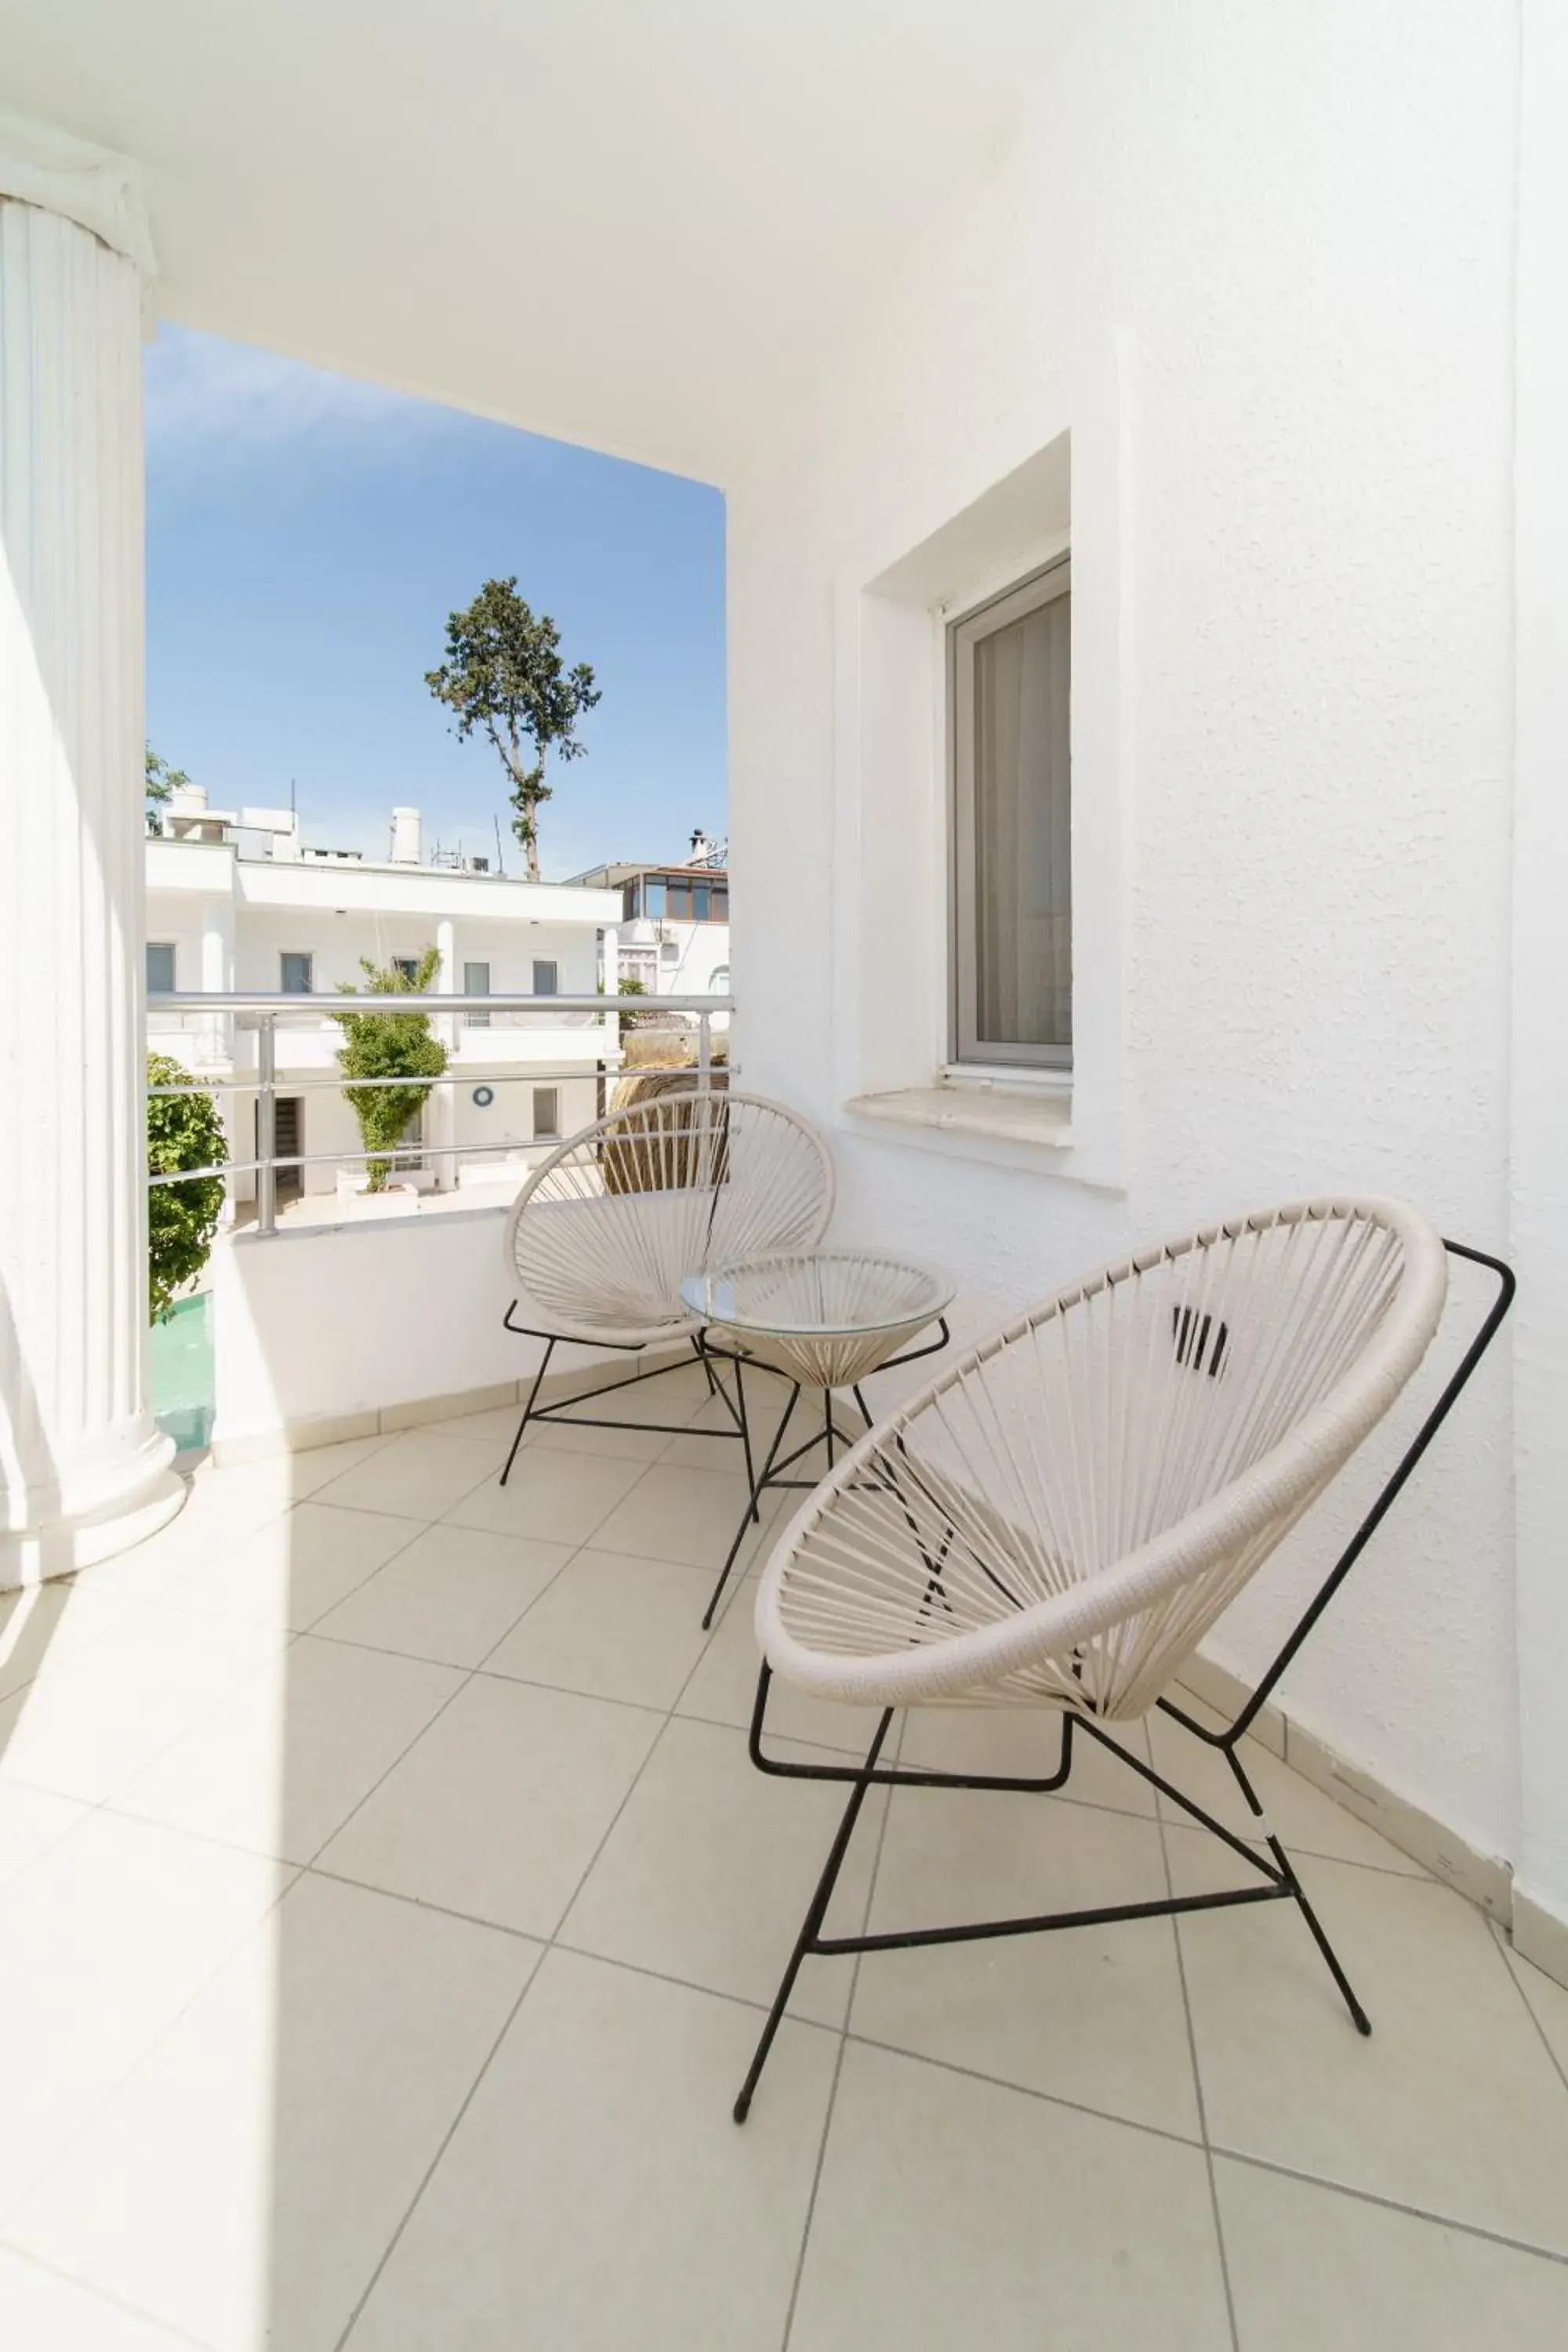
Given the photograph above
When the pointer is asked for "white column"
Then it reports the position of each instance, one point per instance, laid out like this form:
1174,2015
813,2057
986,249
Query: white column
441,1111
218,978
84,1470
610,981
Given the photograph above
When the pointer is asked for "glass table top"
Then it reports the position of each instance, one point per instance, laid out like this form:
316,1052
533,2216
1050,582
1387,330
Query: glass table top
823,1293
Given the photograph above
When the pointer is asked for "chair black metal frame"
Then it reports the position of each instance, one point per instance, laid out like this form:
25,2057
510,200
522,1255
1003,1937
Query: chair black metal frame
1278,1873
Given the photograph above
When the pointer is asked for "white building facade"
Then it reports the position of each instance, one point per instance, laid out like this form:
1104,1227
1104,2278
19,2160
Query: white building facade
1255,317
674,931
234,905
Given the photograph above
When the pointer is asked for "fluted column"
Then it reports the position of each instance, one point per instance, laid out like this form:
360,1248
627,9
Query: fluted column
85,1471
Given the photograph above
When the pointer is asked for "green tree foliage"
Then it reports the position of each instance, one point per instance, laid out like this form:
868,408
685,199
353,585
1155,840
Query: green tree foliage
162,779
503,673
388,1046
182,1131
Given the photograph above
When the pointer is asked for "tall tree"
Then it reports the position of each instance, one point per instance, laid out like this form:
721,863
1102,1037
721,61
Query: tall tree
162,779
503,673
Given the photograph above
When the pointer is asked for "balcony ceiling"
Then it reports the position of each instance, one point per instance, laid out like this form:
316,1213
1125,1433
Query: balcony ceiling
629,224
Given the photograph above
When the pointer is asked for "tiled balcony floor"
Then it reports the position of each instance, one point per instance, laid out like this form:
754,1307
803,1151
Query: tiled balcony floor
387,1908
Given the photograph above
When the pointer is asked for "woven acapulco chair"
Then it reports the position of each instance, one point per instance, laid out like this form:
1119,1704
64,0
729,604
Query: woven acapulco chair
600,1237
1057,1520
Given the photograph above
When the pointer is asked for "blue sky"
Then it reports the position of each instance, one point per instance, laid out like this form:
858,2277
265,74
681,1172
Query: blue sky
307,536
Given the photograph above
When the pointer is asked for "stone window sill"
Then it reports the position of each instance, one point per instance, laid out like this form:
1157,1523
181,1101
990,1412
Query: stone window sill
1037,1117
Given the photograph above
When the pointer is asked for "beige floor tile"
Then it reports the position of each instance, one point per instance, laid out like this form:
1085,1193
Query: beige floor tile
647,1405
297,1477
597,2196
682,1515
708,1873
418,1475
1547,2000
723,1688
1027,1742
85,1731
44,1624
291,1571
613,1626
952,2213
1303,1818
103,1940
30,1821
1312,2269
1092,2014
449,1595
551,1497
1452,2105
498,1811
709,1447
43,2313
221,1508
496,1425
284,1761
243,2185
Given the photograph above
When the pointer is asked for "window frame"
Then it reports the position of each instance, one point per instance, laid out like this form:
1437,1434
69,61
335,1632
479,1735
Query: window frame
307,955
968,1051
161,947
550,964
476,1020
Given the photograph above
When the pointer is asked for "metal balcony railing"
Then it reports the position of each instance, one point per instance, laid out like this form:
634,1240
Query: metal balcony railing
206,1013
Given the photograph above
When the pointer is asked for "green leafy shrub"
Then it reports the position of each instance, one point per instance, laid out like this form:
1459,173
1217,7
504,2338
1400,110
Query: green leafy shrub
182,1131
388,1046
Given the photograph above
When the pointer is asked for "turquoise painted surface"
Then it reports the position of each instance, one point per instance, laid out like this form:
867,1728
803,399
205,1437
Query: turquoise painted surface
184,1394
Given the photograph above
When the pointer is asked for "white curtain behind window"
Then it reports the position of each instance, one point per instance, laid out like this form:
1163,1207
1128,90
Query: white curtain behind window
1023,873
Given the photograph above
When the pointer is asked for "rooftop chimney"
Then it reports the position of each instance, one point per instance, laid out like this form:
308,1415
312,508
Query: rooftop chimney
405,837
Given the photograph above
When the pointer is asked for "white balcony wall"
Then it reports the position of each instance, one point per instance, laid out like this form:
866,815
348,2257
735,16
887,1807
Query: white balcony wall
1258,265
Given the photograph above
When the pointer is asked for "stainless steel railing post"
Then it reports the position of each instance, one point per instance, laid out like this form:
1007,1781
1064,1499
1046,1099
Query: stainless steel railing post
266,1126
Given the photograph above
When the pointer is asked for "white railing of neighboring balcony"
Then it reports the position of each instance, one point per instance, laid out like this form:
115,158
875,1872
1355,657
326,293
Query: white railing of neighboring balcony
264,1013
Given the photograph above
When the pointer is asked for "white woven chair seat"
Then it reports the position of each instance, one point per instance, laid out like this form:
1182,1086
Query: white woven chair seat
599,1238
1061,1516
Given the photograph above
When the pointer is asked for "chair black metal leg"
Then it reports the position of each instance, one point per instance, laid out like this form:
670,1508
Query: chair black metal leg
750,1511
811,1925
746,1438
1359,2017
528,1407
706,1362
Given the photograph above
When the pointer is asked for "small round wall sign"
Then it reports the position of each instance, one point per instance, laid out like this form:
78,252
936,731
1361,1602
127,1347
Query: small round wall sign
484,1097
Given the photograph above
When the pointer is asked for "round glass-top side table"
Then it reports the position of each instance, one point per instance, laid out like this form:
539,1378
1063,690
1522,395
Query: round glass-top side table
825,1319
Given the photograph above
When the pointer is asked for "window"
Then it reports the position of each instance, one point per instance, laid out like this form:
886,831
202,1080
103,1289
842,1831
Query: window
546,980
701,894
720,983
720,902
546,1113
678,901
297,972
652,895
1009,682
407,968
160,967
476,982
669,951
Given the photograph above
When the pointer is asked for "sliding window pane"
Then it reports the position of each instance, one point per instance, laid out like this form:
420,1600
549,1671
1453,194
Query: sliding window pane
1022,910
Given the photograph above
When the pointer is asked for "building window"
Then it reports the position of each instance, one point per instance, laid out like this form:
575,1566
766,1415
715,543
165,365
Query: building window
160,967
669,951
702,893
653,895
407,968
1011,845
295,974
720,983
476,982
546,1113
546,978
720,902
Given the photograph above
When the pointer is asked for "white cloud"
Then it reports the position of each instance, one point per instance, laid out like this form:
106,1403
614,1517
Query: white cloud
207,397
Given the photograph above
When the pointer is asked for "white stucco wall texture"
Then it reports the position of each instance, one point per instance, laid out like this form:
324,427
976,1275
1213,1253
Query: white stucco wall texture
1289,235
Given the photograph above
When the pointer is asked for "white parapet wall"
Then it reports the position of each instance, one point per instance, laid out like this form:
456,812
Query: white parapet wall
320,1330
